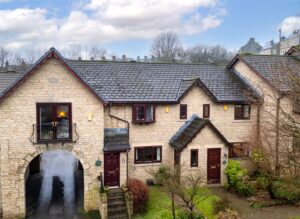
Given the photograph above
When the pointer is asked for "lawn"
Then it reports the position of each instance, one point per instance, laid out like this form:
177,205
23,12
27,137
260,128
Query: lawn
207,205
159,205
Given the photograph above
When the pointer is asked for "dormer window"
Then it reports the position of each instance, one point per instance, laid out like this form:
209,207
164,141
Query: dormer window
143,113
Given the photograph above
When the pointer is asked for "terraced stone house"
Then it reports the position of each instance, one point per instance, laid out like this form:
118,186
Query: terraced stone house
122,118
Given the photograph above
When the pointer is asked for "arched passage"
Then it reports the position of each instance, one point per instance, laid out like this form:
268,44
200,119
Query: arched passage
54,185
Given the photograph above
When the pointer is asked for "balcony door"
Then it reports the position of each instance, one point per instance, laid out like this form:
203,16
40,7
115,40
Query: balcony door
54,121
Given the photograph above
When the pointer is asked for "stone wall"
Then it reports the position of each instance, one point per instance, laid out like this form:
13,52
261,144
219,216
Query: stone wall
50,83
206,139
167,122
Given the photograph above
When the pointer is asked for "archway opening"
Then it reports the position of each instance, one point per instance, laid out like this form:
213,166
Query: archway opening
54,185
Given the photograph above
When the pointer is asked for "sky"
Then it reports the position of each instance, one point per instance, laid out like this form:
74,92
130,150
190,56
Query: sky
129,26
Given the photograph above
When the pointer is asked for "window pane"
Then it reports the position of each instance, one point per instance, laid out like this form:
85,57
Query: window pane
194,158
46,125
140,113
157,155
63,129
149,113
183,111
246,112
238,112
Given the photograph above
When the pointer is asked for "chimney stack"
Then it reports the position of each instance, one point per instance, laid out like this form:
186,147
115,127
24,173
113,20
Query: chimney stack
79,58
114,58
103,58
92,58
145,58
279,34
138,58
152,58
123,57
6,64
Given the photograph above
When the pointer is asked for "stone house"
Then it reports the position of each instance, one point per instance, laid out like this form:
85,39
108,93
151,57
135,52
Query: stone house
121,119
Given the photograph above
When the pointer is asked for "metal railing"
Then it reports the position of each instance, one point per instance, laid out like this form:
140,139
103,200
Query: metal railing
54,133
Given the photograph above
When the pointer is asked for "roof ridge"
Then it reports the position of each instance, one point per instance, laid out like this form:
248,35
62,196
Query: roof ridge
135,62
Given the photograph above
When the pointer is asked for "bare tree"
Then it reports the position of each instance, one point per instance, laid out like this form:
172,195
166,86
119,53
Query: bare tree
184,187
4,53
166,47
208,54
279,141
73,51
97,53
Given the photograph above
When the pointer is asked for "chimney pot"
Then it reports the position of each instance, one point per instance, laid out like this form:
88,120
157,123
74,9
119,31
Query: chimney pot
138,58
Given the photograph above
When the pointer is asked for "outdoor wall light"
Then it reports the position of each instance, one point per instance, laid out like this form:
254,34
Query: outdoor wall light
98,163
167,109
225,107
90,116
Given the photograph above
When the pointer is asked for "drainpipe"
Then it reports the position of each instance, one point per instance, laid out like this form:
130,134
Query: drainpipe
277,134
118,118
123,120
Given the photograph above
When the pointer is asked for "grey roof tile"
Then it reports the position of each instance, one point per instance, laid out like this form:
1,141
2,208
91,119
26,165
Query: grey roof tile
274,68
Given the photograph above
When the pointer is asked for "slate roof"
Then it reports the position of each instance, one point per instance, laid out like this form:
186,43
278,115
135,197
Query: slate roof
114,81
9,74
272,68
190,129
156,82
116,139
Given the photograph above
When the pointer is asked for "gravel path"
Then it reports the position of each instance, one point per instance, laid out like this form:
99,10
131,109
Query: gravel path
246,212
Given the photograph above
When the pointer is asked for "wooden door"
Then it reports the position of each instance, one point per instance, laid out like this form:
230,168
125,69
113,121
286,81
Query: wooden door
112,169
214,165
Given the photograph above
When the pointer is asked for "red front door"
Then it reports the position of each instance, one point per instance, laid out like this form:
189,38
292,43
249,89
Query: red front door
214,165
111,169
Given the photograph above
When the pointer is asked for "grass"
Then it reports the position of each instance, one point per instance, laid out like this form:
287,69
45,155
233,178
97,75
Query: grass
159,205
206,206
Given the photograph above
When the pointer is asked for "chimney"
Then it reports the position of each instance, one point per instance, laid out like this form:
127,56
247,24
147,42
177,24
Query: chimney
152,58
145,59
279,34
114,58
23,62
103,58
6,64
79,58
123,57
92,58
138,58
252,39
272,42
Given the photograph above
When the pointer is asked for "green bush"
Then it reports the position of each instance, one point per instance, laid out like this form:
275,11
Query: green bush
263,182
161,175
185,215
238,178
286,189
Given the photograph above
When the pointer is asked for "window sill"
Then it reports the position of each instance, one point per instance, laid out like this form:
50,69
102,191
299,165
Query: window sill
54,141
147,164
142,122
242,121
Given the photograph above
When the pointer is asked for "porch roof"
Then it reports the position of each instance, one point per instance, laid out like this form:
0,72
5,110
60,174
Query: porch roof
190,129
116,139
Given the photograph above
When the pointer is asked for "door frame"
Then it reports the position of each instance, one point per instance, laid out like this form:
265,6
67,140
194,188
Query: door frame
118,154
219,179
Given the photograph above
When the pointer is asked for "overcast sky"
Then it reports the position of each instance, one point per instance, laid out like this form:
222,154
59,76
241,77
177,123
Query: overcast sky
128,26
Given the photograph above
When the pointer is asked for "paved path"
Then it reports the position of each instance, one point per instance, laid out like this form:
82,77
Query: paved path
246,212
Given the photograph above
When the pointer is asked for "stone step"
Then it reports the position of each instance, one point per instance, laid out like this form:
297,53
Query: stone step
116,203
117,209
118,216
117,190
115,197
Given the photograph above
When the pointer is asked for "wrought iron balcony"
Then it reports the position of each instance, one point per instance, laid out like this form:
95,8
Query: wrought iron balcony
54,132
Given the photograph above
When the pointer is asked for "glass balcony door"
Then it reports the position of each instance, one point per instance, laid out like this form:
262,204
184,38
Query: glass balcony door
54,121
